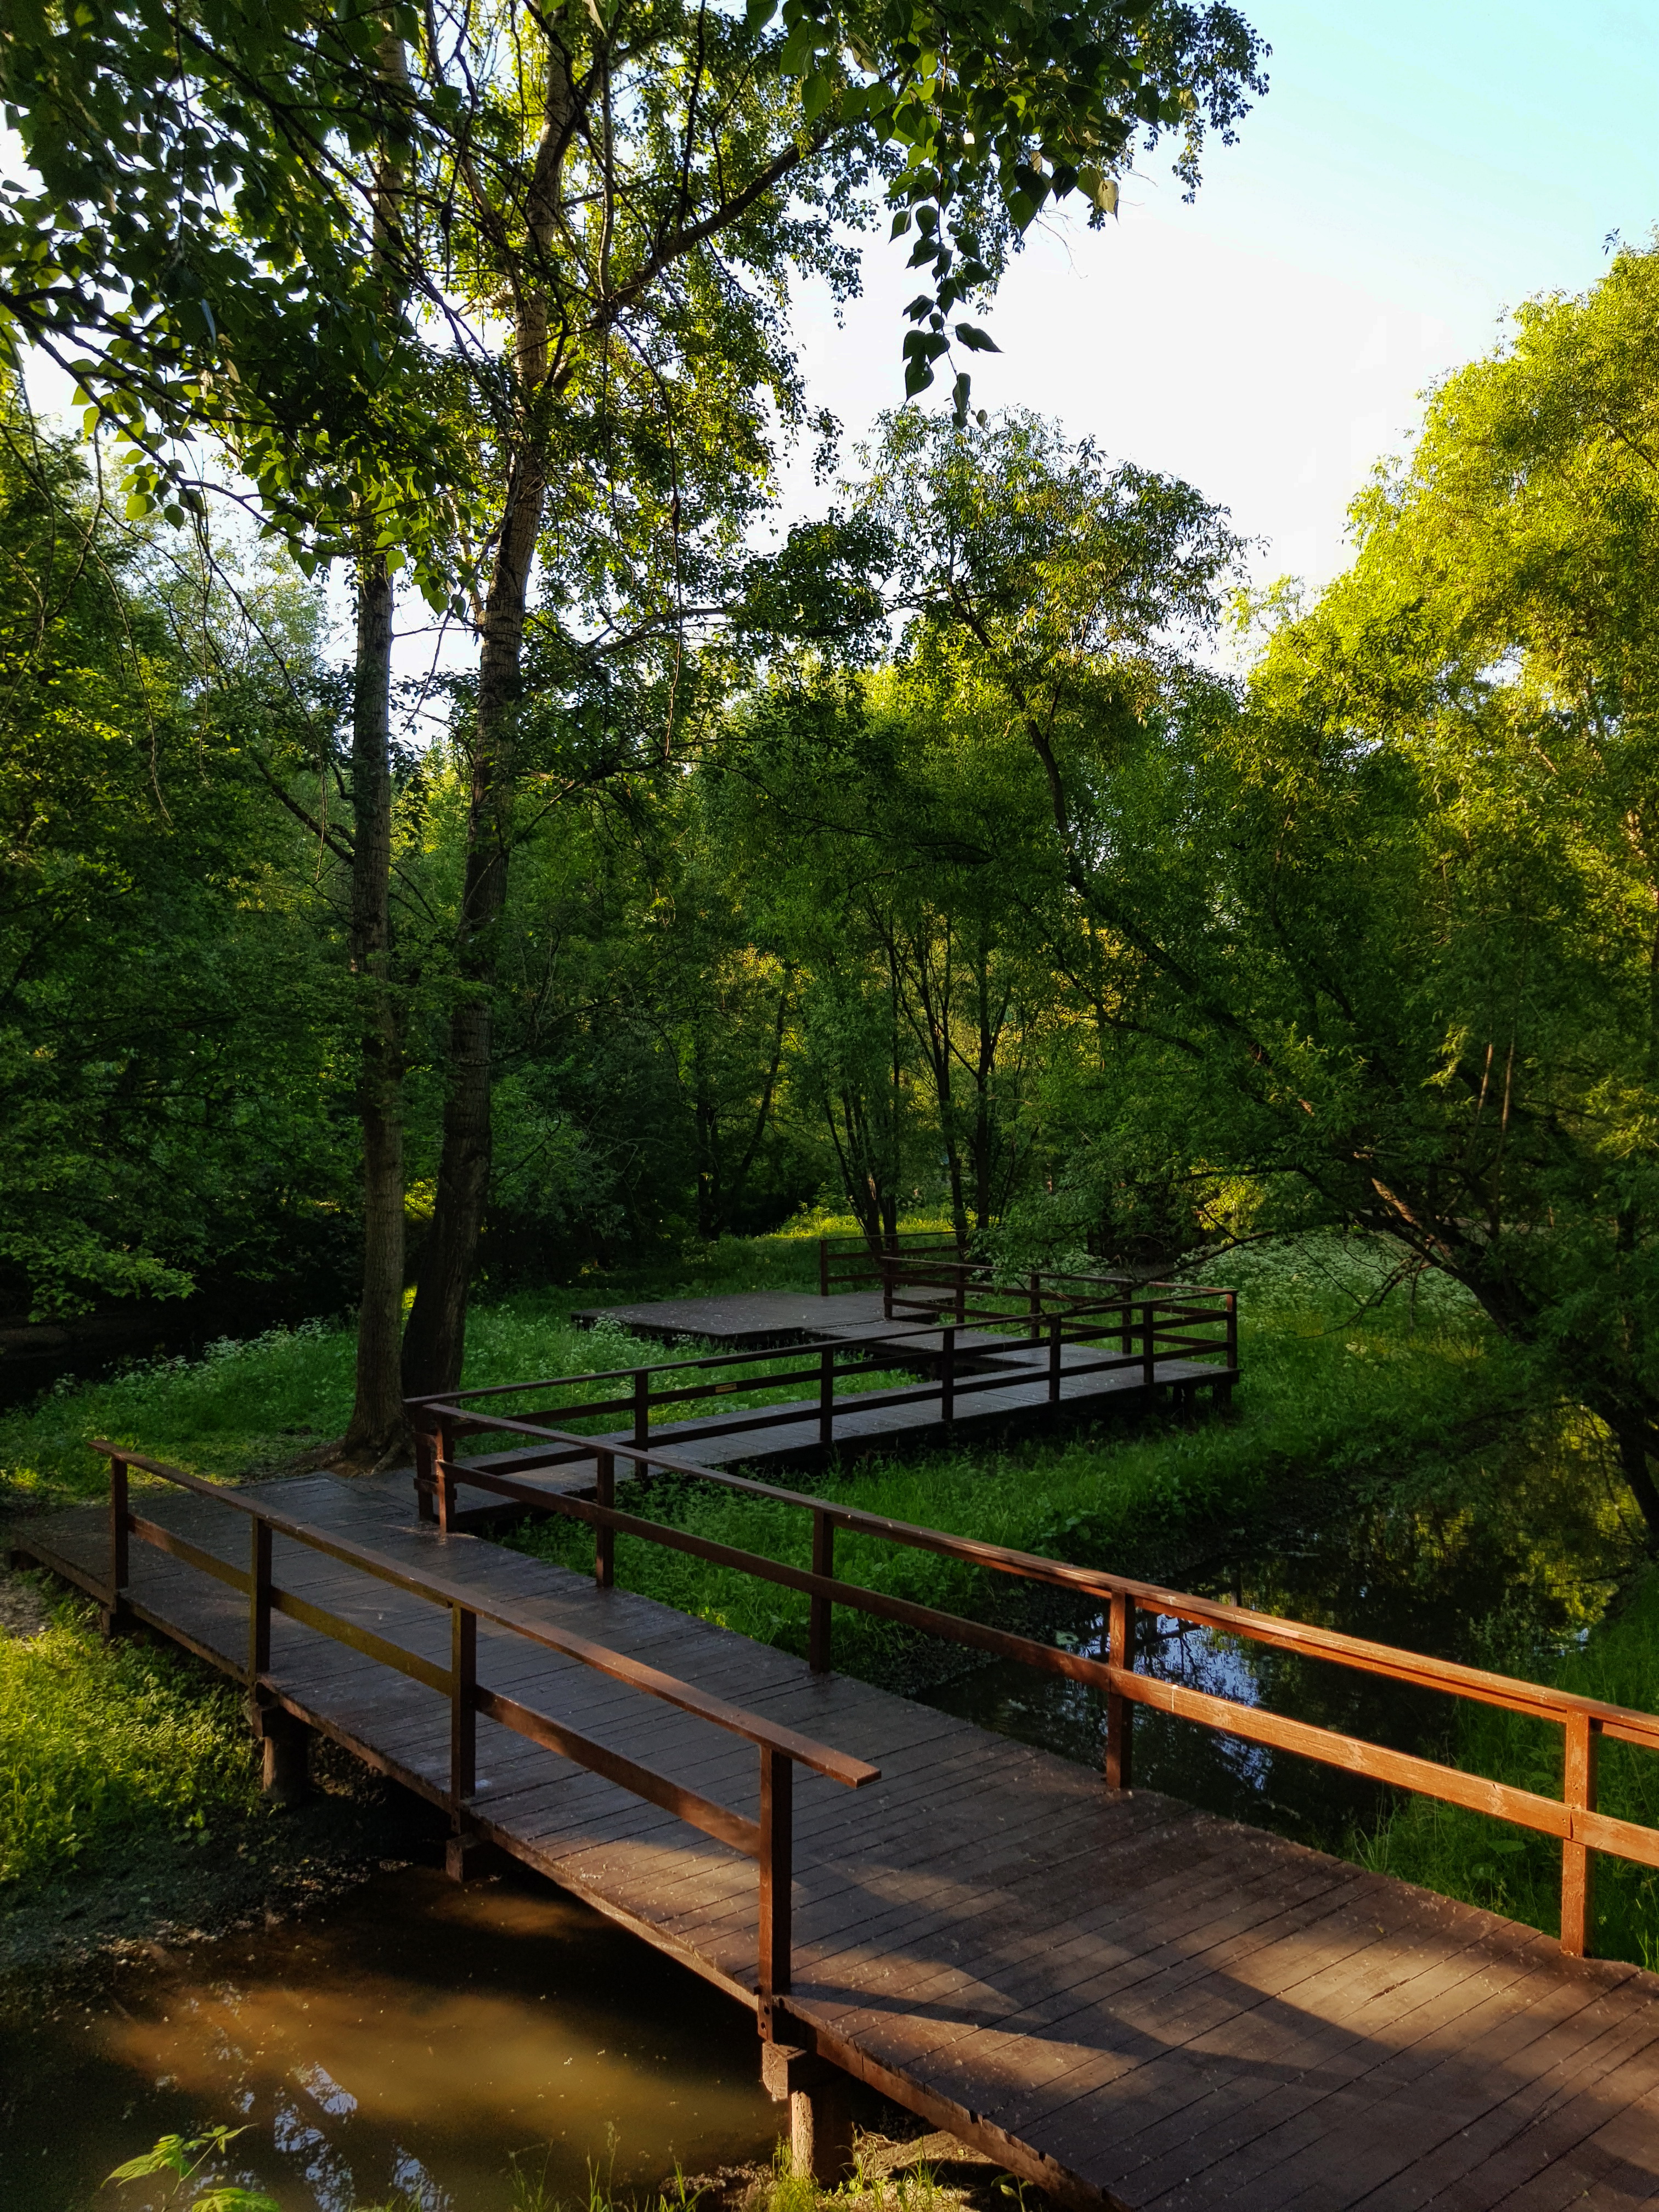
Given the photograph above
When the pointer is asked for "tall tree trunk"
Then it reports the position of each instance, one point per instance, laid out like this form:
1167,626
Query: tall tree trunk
436,1339
378,1423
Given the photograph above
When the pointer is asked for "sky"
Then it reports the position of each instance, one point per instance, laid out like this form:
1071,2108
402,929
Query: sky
1414,171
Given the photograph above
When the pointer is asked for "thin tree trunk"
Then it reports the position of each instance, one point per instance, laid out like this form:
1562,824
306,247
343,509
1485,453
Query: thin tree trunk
436,1339
1638,1474
379,1425
378,1422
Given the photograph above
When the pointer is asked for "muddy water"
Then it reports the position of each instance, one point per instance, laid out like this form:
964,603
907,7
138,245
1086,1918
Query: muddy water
406,2043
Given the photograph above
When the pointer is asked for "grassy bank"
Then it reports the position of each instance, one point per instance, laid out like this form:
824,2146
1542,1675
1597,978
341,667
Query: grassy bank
1512,1870
101,1744
1390,1468
129,1806
244,1408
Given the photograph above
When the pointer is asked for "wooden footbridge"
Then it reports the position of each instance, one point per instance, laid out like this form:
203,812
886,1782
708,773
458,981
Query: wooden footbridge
1123,1999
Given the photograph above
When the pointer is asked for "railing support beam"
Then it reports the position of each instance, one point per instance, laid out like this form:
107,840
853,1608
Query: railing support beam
117,1614
777,1839
462,1709
1583,1739
819,1630
1120,1713
605,1539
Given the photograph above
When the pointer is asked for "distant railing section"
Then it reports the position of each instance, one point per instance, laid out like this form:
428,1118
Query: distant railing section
1585,1722
991,1350
849,1263
768,1840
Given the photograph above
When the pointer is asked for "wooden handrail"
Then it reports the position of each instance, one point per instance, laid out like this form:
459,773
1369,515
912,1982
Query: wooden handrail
854,1773
1573,1819
852,1352
768,1840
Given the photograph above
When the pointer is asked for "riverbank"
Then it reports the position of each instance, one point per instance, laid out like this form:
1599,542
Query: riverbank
131,1816
1390,1469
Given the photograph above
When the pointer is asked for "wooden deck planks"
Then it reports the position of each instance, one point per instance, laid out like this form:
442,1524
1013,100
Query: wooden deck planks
1121,1995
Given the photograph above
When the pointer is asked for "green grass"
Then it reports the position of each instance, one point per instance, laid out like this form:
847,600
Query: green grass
102,1746
1409,1411
1515,1871
1339,1402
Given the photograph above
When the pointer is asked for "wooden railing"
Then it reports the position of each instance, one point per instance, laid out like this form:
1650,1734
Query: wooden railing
846,1263
1585,1722
1146,1330
769,1839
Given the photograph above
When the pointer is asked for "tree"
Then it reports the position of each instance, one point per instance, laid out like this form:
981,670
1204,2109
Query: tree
636,190
1443,860
627,195
169,1039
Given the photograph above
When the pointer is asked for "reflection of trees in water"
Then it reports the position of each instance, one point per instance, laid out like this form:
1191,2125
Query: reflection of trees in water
1502,1582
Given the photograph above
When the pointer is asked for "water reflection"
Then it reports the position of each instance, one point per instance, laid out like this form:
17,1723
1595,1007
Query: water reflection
1457,1588
403,2042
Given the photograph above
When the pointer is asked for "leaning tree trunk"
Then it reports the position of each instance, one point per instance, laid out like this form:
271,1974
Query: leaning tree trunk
436,1336
378,1423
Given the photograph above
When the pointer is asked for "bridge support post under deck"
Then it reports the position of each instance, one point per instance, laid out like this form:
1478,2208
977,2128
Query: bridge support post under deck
820,2111
285,1743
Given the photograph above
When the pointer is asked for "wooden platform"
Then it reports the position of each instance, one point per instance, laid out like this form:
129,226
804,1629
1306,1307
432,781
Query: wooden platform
866,1422
1126,2000
742,1319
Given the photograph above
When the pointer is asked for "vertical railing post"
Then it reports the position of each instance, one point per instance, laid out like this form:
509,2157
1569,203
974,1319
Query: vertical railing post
425,1476
1125,1328
776,1872
818,1632
827,1397
886,1287
119,1547
605,1538
1578,1862
462,1706
1055,1327
947,1374
642,1407
1037,1308
962,1291
1148,1344
1232,1328
443,1473
258,1606
1120,1713
824,1267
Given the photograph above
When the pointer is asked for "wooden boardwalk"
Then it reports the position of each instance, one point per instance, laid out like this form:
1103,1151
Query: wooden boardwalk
1122,1998
1006,1390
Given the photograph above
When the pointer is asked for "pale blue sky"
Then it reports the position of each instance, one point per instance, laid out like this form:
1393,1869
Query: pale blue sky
1414,170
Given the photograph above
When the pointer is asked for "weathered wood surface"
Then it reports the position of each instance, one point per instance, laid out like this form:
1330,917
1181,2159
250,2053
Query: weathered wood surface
742,1318
866,1422
1116,1995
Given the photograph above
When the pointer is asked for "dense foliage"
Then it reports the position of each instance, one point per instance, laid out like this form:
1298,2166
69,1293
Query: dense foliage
966,882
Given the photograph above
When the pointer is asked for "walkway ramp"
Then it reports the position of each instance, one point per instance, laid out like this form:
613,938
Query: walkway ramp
1126,2000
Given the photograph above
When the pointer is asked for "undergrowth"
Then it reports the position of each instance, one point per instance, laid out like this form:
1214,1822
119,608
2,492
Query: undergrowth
1515,1871
103,1744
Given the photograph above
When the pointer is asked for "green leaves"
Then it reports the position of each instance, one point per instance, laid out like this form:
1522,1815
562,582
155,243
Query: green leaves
184,2156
